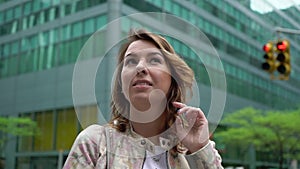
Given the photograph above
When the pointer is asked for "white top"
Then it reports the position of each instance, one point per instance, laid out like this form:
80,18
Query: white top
157,160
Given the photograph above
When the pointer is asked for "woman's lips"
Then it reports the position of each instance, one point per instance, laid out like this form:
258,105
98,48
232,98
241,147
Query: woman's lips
142,83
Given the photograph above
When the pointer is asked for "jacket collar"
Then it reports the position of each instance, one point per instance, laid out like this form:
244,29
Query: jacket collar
167,142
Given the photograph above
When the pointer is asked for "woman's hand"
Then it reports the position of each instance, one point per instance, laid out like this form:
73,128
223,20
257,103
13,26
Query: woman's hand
191,127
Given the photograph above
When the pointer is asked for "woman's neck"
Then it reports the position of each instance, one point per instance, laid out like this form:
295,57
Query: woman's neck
150,129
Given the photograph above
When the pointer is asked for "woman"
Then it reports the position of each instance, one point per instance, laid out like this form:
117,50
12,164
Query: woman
151,127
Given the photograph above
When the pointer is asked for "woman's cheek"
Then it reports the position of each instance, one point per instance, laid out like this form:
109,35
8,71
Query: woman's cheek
125,78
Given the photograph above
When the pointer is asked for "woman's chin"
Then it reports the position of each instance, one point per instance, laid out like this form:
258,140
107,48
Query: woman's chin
141,106
140,103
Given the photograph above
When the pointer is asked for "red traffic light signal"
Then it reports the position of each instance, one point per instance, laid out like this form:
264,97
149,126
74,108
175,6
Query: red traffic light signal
282,45
283,56
268,47
270,62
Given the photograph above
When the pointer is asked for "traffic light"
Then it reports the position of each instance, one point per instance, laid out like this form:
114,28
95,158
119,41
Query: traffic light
277,57
283,57
270,62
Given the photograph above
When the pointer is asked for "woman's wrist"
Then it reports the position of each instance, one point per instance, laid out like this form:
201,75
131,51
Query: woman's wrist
197,147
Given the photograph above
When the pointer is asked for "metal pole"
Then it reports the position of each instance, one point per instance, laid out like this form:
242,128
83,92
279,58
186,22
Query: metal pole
287,30
60,160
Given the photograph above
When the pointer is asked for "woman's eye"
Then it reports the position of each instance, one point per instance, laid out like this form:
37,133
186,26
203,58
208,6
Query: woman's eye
155,60
130,62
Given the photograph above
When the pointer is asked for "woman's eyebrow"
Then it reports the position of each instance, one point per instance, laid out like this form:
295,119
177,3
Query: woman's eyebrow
130,54
148,53
155,53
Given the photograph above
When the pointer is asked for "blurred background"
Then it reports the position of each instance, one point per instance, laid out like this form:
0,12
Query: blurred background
40,41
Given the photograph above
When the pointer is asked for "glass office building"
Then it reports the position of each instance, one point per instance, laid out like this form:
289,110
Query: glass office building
40,41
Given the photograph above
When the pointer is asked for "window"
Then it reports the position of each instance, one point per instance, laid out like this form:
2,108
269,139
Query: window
44,141
176,9
158,3
64,53
66,31
1,17
167,5
24,23
25,143
87,115
32,21
62,123
6,49
176,45
36,5
42,17
35,59
50,57
185,50
24,44
54,36
45,4
43,39
53,13
42,58
75,45
67,9
185,13
55,2
27,8
88,26
14,26
34,42
66,129
207,26
204,78
12,65
76,29
125,24
4,67
23,163
15,47
101,21
9,15
200,23
208,7
58,131
18,12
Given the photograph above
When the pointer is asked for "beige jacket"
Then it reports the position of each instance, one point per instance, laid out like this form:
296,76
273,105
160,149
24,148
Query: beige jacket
102,147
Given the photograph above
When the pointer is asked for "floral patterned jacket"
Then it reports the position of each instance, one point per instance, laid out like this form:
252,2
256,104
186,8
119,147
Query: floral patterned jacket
102,147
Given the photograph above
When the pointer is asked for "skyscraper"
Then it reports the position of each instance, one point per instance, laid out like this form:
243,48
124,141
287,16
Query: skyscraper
41,40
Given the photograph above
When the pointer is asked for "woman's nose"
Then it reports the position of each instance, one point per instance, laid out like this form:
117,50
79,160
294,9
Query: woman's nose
141,67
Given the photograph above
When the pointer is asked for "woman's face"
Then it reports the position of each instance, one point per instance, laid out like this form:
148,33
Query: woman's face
145,75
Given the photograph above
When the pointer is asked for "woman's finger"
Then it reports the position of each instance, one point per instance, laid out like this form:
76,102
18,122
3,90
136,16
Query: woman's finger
178,105
190,114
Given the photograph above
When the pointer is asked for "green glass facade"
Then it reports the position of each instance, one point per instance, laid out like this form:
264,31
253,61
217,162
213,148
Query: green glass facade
40,41
44,47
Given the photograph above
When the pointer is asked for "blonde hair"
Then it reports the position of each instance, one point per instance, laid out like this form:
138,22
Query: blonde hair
182,78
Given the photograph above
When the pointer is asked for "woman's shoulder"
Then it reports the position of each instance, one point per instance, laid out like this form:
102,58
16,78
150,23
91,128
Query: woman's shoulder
95,127
94,132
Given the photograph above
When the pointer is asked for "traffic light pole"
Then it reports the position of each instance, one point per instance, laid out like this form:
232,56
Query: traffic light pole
286,30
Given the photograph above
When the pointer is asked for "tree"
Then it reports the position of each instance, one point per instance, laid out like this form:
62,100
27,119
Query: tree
268,131
10,127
